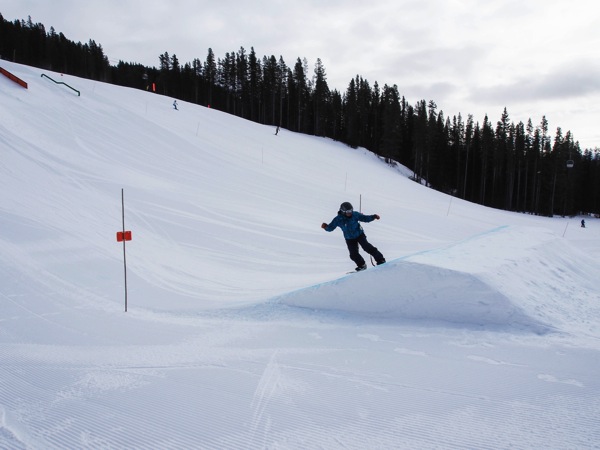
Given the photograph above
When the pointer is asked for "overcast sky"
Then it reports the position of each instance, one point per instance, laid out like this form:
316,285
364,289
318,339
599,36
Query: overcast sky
534,57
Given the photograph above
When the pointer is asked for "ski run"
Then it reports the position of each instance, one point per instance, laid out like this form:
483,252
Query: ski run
482,330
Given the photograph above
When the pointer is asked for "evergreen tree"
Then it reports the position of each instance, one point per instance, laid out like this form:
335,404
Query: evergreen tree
242,85
282,71
351,115
320,98
255,80
420,140
270,89
502,149
210,74
520,146
364,103
389,147
302,90
468,140
487,148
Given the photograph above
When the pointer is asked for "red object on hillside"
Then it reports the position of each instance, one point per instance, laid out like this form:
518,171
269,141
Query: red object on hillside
14,78
123,237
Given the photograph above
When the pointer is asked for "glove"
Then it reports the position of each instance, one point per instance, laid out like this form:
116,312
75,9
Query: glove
376,216
323,225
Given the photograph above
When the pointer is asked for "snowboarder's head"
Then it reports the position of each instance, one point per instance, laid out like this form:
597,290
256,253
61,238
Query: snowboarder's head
346,208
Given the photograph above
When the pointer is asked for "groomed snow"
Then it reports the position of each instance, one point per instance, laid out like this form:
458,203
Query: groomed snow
243,329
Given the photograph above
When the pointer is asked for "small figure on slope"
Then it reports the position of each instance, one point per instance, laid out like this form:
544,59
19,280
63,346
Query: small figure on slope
175,104
348,220
582,223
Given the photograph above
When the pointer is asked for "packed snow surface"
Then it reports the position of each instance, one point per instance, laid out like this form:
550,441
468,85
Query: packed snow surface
242,328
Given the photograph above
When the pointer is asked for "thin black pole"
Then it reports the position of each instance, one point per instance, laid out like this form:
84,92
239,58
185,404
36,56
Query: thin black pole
124,254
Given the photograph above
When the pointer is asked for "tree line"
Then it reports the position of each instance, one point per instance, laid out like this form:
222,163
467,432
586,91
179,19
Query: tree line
512,166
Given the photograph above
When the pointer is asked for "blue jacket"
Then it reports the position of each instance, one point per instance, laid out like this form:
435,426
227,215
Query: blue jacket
349,225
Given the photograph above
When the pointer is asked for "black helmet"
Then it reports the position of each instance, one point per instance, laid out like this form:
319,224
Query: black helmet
346,207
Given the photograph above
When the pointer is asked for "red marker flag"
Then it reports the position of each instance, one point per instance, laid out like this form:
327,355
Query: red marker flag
123,236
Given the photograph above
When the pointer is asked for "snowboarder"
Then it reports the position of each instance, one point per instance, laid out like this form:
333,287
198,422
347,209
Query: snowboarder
348,220
175,104
582,223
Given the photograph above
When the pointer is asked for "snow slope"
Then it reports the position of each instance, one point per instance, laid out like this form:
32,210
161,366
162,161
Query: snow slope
242,331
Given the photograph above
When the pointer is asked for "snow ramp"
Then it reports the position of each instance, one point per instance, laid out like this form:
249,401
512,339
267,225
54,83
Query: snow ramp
493,279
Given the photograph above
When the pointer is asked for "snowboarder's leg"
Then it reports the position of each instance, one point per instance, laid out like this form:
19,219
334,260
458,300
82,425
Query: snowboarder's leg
371,249
354,255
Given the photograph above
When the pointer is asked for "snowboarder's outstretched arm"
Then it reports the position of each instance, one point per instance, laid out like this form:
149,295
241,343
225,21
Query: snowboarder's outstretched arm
329,227
332,226
370,218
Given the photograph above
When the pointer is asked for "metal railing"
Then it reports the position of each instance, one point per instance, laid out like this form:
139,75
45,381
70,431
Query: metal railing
61,82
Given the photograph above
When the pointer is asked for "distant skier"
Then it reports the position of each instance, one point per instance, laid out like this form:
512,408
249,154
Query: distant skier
348,220
582,223
175,105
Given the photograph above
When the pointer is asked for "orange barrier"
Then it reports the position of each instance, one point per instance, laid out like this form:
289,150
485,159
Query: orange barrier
16,79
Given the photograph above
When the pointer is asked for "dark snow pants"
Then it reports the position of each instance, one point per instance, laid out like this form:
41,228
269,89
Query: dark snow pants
367,247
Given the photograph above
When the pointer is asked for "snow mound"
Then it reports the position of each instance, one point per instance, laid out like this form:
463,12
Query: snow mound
455,284
409,290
